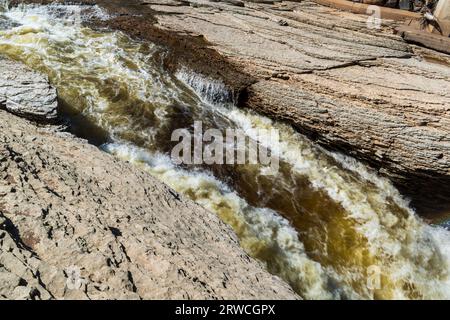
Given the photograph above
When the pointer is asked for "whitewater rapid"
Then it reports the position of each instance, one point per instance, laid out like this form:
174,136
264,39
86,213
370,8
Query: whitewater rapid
324,223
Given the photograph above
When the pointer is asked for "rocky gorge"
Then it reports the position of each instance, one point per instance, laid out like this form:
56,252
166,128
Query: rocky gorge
359,91
319,69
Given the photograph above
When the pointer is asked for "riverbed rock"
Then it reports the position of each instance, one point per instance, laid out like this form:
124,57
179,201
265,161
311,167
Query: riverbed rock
76,223
392,113
27,93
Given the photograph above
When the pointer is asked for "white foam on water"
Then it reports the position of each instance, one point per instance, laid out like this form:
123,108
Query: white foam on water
41,40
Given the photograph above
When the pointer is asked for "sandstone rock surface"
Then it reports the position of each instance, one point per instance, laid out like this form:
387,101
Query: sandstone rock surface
75,223
27,93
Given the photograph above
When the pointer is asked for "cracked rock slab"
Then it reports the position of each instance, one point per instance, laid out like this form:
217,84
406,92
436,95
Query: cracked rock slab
286,37
27,93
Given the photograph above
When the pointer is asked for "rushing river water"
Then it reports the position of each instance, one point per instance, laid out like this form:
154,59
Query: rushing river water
324,222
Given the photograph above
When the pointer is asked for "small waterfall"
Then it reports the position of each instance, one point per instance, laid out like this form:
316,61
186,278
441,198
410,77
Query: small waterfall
210,90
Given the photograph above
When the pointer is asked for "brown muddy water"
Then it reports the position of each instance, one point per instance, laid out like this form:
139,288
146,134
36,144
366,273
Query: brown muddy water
325,223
